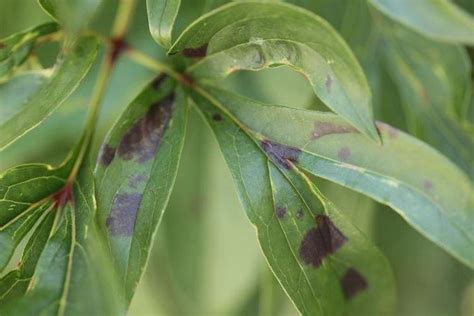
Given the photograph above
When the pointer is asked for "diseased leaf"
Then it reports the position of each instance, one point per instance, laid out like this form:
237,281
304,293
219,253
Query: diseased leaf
67,75
136,172
161,18
255,36
429,192
72,14
15,49
325,265
438,19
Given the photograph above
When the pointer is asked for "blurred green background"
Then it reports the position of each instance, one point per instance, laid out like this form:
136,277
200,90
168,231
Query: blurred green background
206,260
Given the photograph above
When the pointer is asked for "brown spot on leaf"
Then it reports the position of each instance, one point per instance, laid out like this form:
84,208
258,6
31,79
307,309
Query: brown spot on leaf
280,154
118,47
344,153
352,283
156,83
2,45
321,241
143,138
325,128
217,117
280,212
121,220
328,83
63,196
198,52
107,154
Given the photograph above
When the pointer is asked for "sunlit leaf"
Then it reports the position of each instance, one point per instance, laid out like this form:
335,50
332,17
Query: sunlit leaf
15,48
255,36
136,172
430,192
68,73
161,18
438,19
325,264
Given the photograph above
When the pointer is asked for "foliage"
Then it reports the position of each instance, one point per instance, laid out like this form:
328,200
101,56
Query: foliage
83,231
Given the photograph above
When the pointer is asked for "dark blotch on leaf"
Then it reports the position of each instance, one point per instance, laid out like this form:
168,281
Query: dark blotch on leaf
344,153
217,117
107,154
198,52
280,212
156,83
143,138
352,283
325,128
2,45
428,185
321,241
121,220
280,154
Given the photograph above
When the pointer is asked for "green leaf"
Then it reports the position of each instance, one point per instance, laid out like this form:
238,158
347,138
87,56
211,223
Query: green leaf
434,80
68,73
15,49
15,93
325,264
255,36
72,14
65,280
136,172
439,19
161,19
24,191
429,192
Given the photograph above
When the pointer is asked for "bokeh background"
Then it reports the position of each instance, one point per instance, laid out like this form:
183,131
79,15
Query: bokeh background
206,260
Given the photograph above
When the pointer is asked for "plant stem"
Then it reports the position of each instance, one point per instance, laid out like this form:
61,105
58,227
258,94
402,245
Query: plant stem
122,21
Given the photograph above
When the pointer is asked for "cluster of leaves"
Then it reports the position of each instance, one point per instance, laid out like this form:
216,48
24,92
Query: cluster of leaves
89,224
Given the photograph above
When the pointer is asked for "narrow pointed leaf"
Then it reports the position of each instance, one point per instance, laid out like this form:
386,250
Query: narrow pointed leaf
429,192
67,75
15,49
435,90
438,19
325,264
135,173
161,18
255,36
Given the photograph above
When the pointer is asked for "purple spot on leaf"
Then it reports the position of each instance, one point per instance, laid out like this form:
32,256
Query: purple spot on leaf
136,180
321,241
392,132
107,155
328,83
280,154
325,128
352,283
143,138
428,185
344,153
198,52
121,220
280,212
